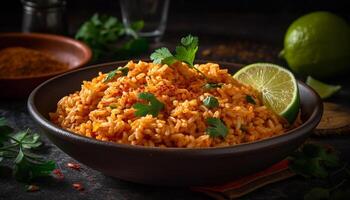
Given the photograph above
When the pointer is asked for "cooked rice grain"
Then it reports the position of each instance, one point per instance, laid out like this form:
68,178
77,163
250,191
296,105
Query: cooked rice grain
104,110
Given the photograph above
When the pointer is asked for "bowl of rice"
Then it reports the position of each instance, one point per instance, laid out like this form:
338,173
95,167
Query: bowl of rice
163,125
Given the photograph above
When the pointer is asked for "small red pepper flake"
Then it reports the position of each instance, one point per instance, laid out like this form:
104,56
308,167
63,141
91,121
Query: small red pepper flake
32,188
78,186
74,166
58,173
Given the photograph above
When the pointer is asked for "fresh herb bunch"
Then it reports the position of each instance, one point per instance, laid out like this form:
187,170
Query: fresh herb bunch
17,147
101,33
153,107
185,52
314,161
317,161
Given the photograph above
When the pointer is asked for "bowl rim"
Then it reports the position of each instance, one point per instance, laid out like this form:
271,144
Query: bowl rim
86,51
305,128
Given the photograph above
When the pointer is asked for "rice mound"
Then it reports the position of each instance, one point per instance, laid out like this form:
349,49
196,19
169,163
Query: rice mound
103,110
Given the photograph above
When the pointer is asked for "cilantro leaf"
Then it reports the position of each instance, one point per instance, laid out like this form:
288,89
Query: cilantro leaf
163,55
209,86
216,127
27,170
313,161
250,99
101,33
28,140
4,130
124,71
26,164
210,102
187,52
138,25
153,107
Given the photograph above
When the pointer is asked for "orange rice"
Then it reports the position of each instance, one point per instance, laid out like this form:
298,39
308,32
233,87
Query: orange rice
104,110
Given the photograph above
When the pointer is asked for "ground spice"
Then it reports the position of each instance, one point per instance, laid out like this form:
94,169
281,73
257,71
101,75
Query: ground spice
19,61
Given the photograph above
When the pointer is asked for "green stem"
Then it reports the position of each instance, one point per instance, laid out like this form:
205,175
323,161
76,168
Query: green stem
338,185
9,147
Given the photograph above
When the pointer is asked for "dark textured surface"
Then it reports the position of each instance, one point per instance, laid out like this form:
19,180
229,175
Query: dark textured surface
260,30
99,186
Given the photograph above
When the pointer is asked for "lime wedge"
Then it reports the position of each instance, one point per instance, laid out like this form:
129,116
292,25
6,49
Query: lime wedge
278,87
323,89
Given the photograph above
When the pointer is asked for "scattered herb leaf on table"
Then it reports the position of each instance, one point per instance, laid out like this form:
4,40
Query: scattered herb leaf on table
17,148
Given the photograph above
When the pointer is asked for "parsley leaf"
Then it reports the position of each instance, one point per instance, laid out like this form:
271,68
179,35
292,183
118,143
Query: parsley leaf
153,107
27,140
210,102
163,55
209,86
124,71
185,52
4,130
101,32
313,161
216,127
250,99
18,146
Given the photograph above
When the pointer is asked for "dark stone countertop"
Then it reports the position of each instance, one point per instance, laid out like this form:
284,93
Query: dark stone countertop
99,186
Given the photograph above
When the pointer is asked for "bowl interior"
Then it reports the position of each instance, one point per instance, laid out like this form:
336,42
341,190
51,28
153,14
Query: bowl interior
67,50
166,166
70,82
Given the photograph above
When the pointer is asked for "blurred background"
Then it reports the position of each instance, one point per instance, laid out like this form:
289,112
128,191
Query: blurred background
237,31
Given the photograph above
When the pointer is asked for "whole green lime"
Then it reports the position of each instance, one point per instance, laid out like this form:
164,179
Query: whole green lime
318,44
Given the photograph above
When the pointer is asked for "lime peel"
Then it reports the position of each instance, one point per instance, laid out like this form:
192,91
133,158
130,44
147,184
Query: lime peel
277,86
323,89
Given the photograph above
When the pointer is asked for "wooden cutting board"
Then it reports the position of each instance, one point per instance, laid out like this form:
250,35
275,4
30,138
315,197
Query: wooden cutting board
335,120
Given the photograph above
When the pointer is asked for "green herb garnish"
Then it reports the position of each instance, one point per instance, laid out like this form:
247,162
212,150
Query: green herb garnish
185,52
124,71
101,33
153,107
18,147
334,193
250,99
210,102
209,86
313,161
216,127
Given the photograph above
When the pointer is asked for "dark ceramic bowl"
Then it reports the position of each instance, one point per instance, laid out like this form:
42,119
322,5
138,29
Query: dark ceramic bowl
67,50
166,166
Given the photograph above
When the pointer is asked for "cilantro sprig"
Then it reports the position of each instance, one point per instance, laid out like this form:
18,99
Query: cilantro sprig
124,72
101,33
185,52
153,107
313,161
18,147
216,127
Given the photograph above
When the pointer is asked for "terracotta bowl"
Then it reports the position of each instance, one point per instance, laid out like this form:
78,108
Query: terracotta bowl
67,50
166,166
